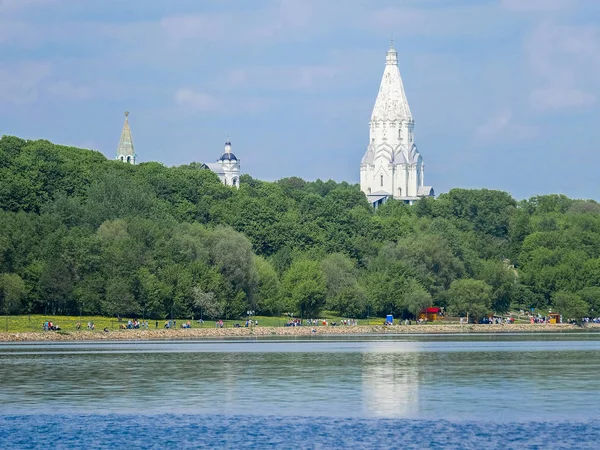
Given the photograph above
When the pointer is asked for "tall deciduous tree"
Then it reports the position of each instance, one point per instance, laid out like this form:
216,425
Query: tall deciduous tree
570,305
12,293
468,296
304,287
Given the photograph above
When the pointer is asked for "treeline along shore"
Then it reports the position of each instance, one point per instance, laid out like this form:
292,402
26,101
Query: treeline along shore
260,332
83,235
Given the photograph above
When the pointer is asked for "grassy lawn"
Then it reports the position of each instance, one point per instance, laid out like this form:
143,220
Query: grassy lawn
34,322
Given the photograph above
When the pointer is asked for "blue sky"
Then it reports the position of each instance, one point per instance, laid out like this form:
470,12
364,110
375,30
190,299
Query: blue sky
504,92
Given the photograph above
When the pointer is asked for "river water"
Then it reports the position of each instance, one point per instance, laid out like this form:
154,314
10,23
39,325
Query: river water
497,391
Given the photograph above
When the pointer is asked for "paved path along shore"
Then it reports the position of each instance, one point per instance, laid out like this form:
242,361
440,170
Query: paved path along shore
211,333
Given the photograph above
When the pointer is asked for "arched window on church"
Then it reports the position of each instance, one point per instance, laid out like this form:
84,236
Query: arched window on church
399,192
234,182
129,159
121,158
381,180
369,190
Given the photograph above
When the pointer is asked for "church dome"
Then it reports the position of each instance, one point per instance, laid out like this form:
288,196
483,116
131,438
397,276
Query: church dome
228,156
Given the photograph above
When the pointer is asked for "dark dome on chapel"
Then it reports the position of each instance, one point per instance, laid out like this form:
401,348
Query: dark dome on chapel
228,157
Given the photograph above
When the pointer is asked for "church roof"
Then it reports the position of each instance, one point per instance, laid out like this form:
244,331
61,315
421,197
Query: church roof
228,156
425,191
215,167
126,143
391,103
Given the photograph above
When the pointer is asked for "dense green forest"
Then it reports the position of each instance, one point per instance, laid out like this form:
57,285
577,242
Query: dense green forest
83,234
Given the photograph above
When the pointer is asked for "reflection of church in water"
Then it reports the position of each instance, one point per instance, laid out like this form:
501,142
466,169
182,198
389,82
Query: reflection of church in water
390,384
227,166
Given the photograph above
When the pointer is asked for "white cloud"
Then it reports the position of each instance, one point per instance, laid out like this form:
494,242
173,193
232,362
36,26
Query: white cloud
17,5
193,26
195,100
22,83
259,25
27,82
440,21
564,61
282,78
538,5
547,99
202,102
10,30
67,91
502,126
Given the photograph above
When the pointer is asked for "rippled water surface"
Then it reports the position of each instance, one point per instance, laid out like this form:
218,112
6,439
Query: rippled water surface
392,386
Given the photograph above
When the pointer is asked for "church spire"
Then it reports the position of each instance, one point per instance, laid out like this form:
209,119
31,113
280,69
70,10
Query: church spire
125,151
391,103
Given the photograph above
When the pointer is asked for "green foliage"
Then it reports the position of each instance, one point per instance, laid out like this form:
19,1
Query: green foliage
12,292
472,297
571,306
268,298
304,287
80,234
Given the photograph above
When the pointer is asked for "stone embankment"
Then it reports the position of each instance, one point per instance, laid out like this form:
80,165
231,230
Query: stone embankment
217,333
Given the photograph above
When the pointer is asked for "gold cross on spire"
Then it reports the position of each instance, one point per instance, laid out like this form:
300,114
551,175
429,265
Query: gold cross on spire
126,114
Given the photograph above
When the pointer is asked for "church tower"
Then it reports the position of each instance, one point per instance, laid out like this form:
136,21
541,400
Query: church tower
392,167
230,167
125,151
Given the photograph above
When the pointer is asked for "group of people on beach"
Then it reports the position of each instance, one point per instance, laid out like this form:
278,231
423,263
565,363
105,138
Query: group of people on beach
49,326
497,320
135,325
591,320
321,322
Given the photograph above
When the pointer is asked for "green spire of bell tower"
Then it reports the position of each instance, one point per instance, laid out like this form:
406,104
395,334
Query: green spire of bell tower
125,151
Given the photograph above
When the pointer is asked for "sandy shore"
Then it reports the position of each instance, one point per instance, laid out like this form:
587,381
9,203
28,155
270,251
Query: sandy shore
211,333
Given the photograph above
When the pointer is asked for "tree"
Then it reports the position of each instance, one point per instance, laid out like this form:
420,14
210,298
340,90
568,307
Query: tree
207,304
431,259
570,305
119,301
268,291
502,278
468,296
12,292
417,299
591,295
304,287
340,276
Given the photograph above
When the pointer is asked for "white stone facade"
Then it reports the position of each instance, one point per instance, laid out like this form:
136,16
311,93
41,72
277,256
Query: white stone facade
392,166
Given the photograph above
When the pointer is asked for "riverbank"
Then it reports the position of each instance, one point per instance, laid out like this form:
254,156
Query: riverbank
212,333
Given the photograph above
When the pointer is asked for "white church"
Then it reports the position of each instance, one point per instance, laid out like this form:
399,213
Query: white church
227,166
392,166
